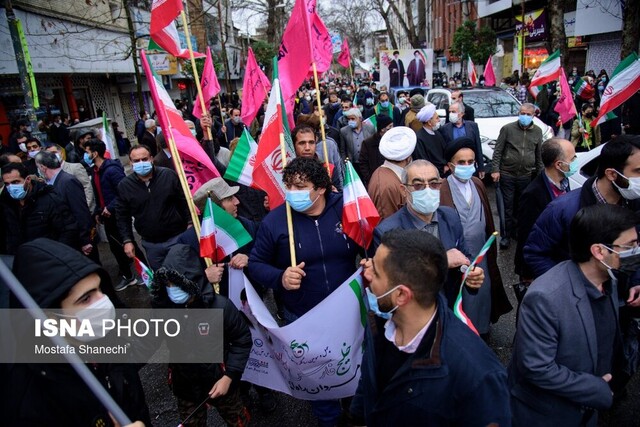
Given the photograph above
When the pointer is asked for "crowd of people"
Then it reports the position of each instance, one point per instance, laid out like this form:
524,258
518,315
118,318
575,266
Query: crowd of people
576,255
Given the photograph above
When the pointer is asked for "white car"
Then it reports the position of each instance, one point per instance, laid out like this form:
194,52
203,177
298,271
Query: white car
587,166
493,108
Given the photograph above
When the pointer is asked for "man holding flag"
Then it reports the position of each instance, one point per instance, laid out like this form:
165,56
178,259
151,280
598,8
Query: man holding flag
422,363
326,256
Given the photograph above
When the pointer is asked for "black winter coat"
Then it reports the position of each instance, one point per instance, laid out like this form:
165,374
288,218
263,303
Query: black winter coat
44,214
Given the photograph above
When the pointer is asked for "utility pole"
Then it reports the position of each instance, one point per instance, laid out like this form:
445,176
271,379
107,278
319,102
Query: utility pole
225,61
25,70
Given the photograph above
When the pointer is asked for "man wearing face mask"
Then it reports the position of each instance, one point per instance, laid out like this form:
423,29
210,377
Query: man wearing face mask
77,170
34,146
232,128
370,158
567,359
153,198
430,145
384,107
332,107
516,161
421,365
560,162
423,212
467,195
32,209
54,394
353,135
458,127
326,257
386,184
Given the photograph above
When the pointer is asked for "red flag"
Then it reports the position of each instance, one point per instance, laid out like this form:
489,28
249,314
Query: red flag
196,163
489,75
565,106
254,89
344,58
320,42
163,30
209,84
295,54
359,214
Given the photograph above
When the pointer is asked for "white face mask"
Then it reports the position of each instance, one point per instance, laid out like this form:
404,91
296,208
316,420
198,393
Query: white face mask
633,191
453,117
100,310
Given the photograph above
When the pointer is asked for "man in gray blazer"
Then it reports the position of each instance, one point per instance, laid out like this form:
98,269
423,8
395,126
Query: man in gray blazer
567,347
353,135
459,127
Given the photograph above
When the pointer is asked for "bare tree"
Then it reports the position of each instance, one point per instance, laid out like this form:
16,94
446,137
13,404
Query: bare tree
630,32
351,19
384,9
274,11
416,32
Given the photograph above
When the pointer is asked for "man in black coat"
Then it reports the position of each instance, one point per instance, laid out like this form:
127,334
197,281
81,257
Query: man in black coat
469,112
32,209
70,190
149,137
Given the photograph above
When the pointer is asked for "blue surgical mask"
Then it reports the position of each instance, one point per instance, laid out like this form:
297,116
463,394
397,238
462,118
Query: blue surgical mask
87,159
17,191
464,172
525,120
425,201
299,200
373,303
177,295
384,104
573,168
142,168
353,124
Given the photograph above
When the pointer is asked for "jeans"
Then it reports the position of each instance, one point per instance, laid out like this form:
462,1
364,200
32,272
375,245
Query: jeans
512,188
328,412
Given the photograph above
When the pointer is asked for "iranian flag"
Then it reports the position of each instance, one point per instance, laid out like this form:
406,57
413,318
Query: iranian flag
163,30
625,81
460,314
242,161
549,70
583,89
220,234
359,214
471,71
106,138
374,121
145,273
269,165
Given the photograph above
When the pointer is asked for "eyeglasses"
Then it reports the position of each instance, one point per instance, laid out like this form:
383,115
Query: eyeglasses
419,186
633,247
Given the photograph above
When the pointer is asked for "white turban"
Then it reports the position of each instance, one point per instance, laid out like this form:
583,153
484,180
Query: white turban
398,143
426,113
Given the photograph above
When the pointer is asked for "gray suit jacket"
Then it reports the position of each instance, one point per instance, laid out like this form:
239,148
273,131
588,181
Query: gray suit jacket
551,375
347,148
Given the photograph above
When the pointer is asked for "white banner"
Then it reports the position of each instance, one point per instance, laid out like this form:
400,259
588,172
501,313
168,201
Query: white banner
318,356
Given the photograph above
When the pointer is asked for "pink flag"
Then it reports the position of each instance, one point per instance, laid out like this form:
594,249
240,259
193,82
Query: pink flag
197,165
295,54
565,106
344,58
489,75
320,42
209,84
255,88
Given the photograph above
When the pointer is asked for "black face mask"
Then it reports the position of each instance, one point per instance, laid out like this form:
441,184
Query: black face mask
588,115
629,263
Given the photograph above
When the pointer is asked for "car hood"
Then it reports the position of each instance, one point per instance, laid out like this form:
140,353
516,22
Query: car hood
490,127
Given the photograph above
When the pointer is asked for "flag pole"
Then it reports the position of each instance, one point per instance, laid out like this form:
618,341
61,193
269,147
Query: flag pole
292,246
196,77
222,118
324,137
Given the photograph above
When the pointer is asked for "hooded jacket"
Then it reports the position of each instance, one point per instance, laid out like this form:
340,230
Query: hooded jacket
53,394
44,214
193,381
329,255
109,176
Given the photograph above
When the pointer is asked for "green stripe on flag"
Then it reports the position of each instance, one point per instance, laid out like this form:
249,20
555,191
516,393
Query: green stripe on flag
239,164
626,62
374,121
357,289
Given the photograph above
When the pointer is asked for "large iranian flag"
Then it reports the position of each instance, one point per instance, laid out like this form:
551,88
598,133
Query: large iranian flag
625,81
359,214
242,161
549,70
220,234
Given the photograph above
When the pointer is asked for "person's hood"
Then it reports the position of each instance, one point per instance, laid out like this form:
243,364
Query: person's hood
180,268
108,163
49,269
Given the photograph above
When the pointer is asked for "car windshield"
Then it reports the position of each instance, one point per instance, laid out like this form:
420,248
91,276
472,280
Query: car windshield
488,104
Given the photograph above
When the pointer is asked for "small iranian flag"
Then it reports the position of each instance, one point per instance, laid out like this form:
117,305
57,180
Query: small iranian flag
471,71
241,164
374,121
359,214
460,314
105,137
625,81
145,273
583,89
549,70
221,236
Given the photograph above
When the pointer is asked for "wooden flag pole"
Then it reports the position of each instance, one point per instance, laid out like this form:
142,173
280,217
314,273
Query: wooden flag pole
196,77
222,118
292,245
324,137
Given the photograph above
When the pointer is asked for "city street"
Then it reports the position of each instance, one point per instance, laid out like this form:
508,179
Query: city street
291,412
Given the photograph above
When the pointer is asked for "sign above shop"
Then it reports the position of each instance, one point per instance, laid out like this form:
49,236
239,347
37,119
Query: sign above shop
533,25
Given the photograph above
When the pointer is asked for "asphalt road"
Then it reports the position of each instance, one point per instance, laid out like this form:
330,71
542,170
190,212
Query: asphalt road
292,413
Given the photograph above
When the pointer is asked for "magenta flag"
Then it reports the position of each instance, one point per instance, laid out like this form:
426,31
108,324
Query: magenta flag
295,54
344,58
489,75
209,84
320,43
197,165
255,88
565,106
